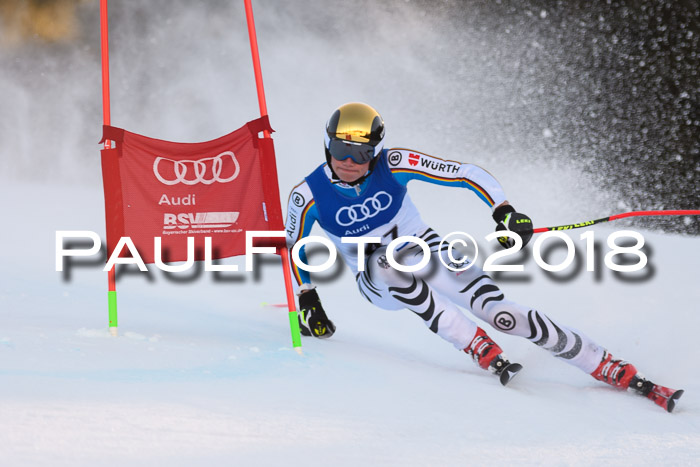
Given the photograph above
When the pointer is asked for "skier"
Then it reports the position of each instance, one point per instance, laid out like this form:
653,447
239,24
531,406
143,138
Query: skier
360,192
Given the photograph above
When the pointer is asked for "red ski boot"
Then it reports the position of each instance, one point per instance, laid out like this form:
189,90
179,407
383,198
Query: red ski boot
616,373
489,356
624,375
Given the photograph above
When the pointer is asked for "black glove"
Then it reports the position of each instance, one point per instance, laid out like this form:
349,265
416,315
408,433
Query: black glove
312,317
508,219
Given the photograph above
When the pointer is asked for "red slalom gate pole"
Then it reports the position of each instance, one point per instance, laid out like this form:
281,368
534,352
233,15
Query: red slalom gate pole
104,43
682,212
284,252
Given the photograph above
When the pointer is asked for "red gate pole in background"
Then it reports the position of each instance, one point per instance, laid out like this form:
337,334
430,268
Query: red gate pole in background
284,252
111,276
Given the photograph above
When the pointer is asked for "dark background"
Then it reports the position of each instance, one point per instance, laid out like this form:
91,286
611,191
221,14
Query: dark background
621,91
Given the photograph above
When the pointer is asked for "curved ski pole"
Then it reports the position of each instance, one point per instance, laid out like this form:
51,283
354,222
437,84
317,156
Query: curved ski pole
686,212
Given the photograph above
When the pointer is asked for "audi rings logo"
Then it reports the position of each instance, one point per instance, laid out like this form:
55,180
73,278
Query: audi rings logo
372,206
223,168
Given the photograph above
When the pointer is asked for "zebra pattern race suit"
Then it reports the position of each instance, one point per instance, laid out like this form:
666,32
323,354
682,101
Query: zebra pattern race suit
436,295
380,207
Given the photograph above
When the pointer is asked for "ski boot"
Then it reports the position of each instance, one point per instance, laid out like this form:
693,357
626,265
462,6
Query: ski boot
489,356
617,373
624,375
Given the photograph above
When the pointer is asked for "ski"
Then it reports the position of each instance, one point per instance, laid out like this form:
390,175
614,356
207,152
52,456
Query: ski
508,373
664,397
660,395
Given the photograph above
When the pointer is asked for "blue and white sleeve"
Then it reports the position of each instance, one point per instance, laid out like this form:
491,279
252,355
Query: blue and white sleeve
407,165
301,216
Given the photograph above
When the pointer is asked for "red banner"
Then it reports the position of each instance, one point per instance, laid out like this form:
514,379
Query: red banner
217,189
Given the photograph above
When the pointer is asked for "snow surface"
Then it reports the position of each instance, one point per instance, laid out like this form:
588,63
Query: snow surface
203,373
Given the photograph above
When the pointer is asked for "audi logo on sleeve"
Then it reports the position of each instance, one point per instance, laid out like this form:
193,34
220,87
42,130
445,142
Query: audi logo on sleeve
372,206
223,168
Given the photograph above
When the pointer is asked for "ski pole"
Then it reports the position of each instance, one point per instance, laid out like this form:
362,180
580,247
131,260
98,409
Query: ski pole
687,212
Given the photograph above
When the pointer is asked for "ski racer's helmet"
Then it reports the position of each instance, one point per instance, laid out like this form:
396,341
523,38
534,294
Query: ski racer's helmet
355,130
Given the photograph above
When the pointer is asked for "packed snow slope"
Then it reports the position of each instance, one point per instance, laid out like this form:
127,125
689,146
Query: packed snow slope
203,372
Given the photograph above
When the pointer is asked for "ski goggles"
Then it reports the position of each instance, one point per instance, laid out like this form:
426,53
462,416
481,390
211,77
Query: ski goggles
360,153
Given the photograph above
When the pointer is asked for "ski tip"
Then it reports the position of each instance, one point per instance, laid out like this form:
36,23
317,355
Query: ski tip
671,404
509,373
